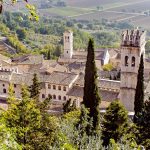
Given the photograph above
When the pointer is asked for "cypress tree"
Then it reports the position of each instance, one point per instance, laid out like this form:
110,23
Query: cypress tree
139,94
115,122
91,98
49,55
143,123
35,88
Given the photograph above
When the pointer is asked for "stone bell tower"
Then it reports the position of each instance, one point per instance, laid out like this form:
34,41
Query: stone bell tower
68,44
132,46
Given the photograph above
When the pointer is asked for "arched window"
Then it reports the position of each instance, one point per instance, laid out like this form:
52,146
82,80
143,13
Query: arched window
54,87
64,88
49,86
54,96
126,60
64,98
49,96
4,91
43,95
59,88
59,97
133,61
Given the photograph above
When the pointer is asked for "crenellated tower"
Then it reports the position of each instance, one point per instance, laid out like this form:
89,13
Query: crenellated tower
68,44
132,46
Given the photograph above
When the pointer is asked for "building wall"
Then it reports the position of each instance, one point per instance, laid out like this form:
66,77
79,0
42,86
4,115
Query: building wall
60,91
4,86
107,58
4,89
127,98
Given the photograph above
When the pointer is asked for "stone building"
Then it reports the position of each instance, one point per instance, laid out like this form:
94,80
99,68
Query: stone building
64,79
78,58
132,46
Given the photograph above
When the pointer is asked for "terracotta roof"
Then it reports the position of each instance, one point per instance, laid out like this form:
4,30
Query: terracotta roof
102,83
109,96
28,59
99,54
62,78
107,74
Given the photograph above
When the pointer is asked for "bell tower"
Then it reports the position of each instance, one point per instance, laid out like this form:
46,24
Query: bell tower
132,46
68,44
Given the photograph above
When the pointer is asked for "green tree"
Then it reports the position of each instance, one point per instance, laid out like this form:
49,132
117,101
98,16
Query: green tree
91,98
23,118
35,88
115,122
21,33
69,106
49,55
31,8
139,93
143,123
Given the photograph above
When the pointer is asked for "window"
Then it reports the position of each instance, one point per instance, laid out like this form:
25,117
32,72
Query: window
133,61
3,85
67,52
49,96
126,60
59,97
59,88
64,98
15,85
64,88
4,91
54,87
54,96
43,95
49,86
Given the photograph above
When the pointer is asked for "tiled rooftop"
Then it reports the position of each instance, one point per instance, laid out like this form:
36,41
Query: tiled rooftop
108,96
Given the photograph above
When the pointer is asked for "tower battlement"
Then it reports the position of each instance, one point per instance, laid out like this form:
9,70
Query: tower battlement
134,38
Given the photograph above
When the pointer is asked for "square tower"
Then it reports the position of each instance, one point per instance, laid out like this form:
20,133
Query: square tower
132,46
68,44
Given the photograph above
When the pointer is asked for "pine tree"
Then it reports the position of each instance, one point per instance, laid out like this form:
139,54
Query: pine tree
139,94
35,88
115,122
91,98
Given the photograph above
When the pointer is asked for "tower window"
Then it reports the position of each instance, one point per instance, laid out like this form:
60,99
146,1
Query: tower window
67,52
59,88
49,86
54,96
126,60
43,95
133,61
4,91
64,98
59,97
54,87
49,96
64,88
